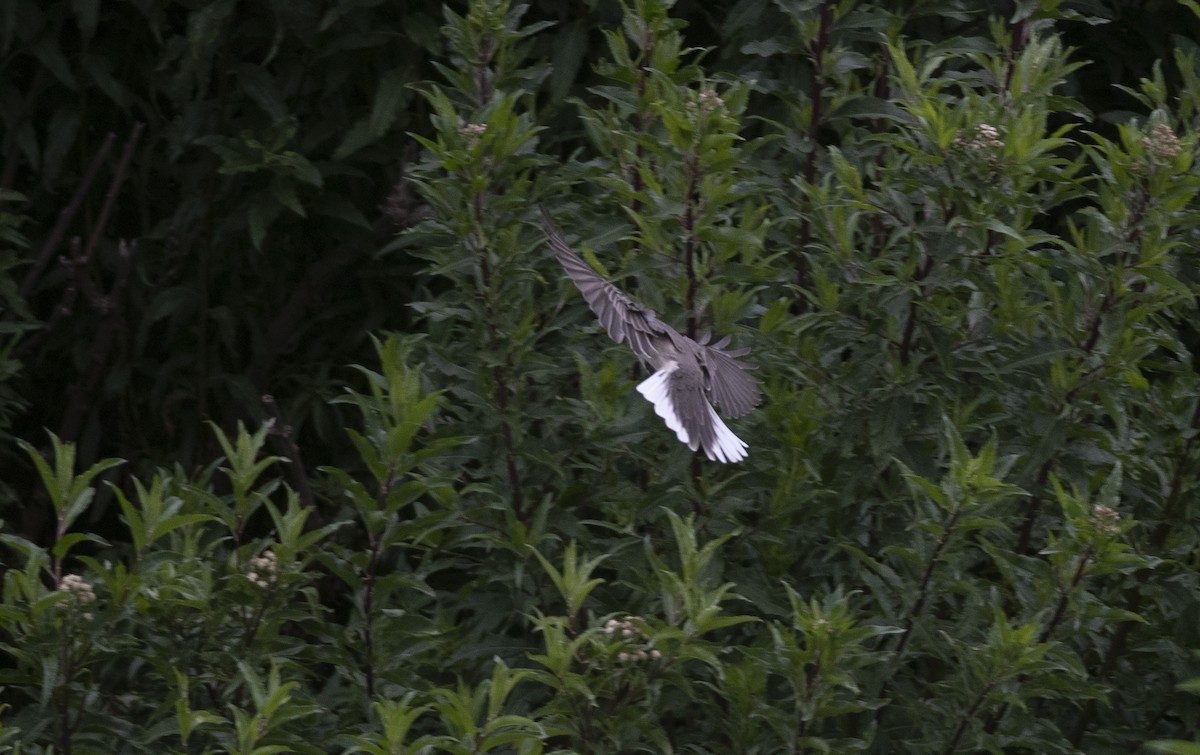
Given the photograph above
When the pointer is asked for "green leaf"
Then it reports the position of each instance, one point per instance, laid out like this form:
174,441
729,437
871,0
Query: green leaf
359,136
285,192
70,493
573,581
1174,746
262,213
570,50
261,87
87,15
390,98
68,541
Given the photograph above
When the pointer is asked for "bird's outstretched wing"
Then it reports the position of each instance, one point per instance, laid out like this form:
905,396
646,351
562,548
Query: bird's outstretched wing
625,320
684,369
729,381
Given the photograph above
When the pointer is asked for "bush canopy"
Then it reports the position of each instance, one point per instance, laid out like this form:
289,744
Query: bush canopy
307,443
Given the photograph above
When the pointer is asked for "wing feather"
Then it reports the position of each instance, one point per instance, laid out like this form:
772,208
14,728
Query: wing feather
625,320
732,386
675,389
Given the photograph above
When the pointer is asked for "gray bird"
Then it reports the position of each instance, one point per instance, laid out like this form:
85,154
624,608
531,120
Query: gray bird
684,369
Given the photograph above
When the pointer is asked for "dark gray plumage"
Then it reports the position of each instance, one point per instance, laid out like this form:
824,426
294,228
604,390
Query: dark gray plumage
684,369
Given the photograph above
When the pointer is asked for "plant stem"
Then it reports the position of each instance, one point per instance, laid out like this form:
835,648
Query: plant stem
1033,509
64,219
910,322
817,97
965,719
926,579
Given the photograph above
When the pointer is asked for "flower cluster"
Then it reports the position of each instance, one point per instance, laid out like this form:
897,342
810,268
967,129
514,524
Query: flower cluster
986,143
626,630
1106,520
708,101
80,590
472,132
639,655
263,569
1162,145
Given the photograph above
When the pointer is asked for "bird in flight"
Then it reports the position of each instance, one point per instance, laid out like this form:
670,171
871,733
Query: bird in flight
684,369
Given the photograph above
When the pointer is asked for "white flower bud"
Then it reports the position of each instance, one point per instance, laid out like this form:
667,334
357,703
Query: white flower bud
1162,145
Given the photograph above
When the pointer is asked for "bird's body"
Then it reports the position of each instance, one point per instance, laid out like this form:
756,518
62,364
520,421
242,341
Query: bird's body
684,369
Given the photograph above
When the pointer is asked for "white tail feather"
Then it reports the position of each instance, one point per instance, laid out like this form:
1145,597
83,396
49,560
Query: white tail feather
728,447
657,391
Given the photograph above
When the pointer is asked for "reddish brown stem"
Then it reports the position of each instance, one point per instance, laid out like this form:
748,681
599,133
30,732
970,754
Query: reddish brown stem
910,323
281,439
81,393
114,189
926,579
965,719
816,95
59,232
1033,509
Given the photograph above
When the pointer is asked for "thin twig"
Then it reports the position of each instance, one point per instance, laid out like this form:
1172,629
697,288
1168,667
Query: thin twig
926,580
1134,596
114,189
910,323
368,632
1025,539
280,437
83,281
1064,595
965,719
635,180
817,97
64,219
500,372
691,243
82,390
1065,590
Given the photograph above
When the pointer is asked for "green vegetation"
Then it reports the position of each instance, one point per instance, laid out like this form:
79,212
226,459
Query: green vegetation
307,445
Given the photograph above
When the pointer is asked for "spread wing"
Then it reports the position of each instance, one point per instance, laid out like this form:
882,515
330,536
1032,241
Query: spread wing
675,390
729,381
625,320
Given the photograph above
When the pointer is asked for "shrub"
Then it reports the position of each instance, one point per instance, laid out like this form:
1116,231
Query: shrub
967,518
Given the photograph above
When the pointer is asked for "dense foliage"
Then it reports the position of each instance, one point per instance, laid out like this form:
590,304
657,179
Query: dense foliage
958,236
